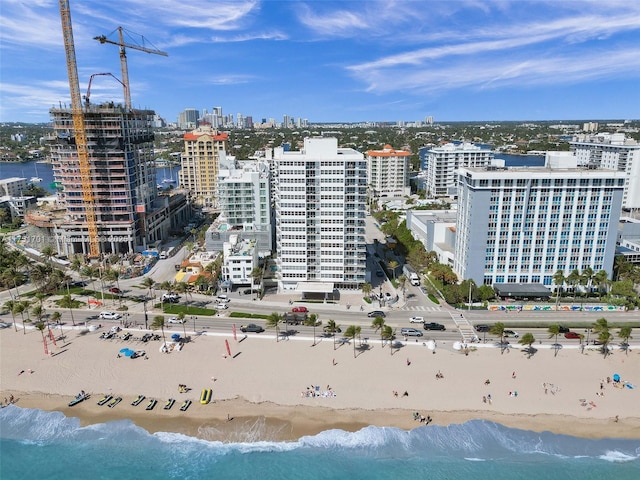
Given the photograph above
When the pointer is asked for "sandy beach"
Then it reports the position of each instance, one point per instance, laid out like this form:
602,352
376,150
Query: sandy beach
262,391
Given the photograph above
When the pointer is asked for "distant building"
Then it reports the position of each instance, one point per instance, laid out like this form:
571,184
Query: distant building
442,164
629,240
320,196
12,186
388,173
522,225
616,152
201,164
188,119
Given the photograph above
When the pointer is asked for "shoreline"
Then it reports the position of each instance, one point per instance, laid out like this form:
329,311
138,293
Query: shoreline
228,421
264,386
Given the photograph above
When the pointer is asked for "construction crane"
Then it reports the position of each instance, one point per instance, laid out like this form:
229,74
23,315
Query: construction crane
79,129
123,60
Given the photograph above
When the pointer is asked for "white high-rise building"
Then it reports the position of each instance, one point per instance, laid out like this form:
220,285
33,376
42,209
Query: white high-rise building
320,196
522,225
615,152
442,164
388,172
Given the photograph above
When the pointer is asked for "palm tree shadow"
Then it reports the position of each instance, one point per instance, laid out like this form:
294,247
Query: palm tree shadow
556,348
530,351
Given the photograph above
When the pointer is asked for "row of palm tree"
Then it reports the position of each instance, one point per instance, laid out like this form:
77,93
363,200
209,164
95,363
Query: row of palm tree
587,278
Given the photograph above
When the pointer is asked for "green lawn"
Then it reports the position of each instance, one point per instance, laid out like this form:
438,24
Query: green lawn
174,309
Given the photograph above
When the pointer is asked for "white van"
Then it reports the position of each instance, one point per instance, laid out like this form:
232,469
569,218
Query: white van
163,255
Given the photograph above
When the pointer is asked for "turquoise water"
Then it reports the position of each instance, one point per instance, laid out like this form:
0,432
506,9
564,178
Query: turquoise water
38,444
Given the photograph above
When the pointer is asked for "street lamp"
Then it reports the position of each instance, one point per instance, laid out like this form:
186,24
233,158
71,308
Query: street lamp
588,332
146,317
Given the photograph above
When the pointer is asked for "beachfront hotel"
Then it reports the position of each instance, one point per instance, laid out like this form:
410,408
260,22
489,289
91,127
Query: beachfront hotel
616,152
201,164
388,173
320,195
442,164
522,225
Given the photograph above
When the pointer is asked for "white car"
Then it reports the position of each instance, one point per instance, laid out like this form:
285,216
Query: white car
222,299
222,306
511,333
110,315
416,320
175,320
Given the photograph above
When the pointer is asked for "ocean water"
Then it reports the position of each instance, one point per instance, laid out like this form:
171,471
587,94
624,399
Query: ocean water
38,444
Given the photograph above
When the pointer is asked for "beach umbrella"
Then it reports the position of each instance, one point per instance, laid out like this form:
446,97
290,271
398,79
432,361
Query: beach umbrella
175,336
124,350
616,377
431,345
128,353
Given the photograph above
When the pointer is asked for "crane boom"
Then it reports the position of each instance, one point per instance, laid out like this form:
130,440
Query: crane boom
79,128
123,60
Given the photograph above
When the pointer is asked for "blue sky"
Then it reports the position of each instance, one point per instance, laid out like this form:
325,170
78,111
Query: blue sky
328,61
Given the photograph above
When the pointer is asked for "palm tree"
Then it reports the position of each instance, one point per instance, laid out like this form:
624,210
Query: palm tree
332,328
273,321
600,279
378,324
67,302
40,326
158,323
558,280
387,333
352,332
26,304
9,306
38,311
574,279
181,288
256,274
402,282
55,318
554,330
528,339
498,329
367,288
181,317
313,321
113,275
393,264
19,309
167,286
625,334
148,282
601,327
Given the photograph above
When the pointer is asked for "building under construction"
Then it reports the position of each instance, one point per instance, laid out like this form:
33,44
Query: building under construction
129,213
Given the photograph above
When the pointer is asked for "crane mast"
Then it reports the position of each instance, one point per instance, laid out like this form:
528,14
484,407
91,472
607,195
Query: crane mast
79,129
123,60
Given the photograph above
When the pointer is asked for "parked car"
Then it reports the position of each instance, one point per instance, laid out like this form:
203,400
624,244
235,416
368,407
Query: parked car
416,320
175,320
376,313
410,332
510,333
170,297
110,315
252,327
482,328
434,326
572,335
300,309
115,290
221,306
562,329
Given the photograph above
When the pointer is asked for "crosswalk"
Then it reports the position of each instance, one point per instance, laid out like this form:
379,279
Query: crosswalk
421,308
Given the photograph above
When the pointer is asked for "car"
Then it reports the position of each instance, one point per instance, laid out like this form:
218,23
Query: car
434,326
222,306
572,335
510,333
110,315
482,328
562,329
115,290
327,329
416,320
78,283
410,332
300,309
249,291
252,327
222,299
376,313
175,320
170,297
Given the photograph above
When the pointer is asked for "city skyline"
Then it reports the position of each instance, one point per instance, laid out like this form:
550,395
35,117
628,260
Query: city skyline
330,61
